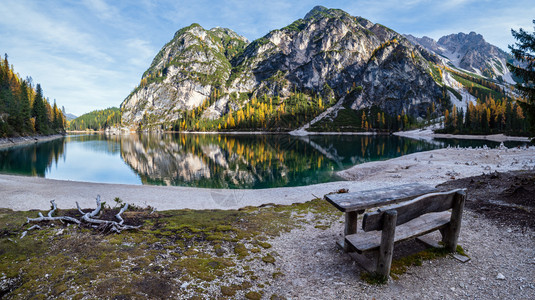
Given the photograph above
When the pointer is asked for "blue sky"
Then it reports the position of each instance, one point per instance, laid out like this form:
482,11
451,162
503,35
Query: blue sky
90,54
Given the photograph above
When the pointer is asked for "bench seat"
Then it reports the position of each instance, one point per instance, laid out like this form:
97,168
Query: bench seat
366,241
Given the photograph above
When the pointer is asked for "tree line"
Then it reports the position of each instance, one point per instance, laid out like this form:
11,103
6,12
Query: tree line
97,120
266,113
23,109
487,117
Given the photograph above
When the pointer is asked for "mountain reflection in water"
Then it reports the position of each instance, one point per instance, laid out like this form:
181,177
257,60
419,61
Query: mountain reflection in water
208,160
253,161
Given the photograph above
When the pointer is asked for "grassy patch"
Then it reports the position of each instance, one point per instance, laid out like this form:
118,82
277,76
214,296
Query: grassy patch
175,254
252,295
269,259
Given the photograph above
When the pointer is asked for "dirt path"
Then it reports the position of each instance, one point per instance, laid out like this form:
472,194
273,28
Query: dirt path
315,268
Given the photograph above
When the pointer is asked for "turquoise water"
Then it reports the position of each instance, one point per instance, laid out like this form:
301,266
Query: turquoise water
205,160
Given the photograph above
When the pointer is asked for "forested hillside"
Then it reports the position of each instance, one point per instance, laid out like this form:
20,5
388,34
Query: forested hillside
96,120
23,108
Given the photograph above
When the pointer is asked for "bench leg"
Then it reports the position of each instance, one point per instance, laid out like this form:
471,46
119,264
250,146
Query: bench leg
451,232
386,250
350,226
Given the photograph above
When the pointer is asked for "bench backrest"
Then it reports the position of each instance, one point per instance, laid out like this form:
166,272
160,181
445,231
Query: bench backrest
406,211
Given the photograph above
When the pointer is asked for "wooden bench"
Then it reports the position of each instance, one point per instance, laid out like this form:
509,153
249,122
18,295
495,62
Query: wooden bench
353,204
413,218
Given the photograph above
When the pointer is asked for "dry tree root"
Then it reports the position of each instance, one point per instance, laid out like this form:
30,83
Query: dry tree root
87,218
104,225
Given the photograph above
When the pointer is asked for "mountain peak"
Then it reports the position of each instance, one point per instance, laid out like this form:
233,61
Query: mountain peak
316,11
319,12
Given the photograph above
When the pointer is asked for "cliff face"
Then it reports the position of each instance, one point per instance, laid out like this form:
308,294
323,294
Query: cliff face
328,53
183,74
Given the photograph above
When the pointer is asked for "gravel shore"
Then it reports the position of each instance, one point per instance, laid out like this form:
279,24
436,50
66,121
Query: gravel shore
17,141
502,266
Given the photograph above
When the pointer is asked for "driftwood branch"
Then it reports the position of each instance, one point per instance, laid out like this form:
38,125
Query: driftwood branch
31,228
119,217
87,217
50,217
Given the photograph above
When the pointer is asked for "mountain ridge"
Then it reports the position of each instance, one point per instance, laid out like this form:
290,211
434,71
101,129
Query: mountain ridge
216,80
469,52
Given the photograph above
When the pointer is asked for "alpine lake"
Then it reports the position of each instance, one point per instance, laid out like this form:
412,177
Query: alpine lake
230,161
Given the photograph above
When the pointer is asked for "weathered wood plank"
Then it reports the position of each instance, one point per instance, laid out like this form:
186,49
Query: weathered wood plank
351,222
435,202
347,202
451,232
420,226
386,250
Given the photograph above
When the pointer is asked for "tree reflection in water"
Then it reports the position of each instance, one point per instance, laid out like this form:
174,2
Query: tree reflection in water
33,159
254,161
209,160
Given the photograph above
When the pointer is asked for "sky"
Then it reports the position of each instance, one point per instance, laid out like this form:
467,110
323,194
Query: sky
90,54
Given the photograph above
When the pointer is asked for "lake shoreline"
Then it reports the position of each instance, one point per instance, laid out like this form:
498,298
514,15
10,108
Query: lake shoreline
429,167
428,134
25,140
418,134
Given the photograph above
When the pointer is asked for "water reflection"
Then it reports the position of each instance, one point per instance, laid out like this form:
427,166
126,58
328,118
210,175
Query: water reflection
254,161
203,160
33,159
225,161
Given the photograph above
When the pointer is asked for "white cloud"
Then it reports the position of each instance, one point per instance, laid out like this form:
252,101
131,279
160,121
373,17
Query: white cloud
141,52
102,9
52,33
454,4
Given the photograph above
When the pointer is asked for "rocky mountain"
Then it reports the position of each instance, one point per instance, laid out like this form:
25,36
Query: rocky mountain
183,74
69,116
213,79
469,52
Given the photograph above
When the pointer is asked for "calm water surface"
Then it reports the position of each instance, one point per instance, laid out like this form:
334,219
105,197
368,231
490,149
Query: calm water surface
204,160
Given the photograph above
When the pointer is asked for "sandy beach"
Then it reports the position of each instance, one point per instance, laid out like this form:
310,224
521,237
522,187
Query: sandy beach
431,167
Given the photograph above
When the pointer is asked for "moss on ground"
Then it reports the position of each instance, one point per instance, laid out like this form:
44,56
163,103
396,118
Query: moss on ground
175,254
400,266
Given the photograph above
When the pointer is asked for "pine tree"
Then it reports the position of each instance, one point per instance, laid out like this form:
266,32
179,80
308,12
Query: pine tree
39,111
25,110
524,51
